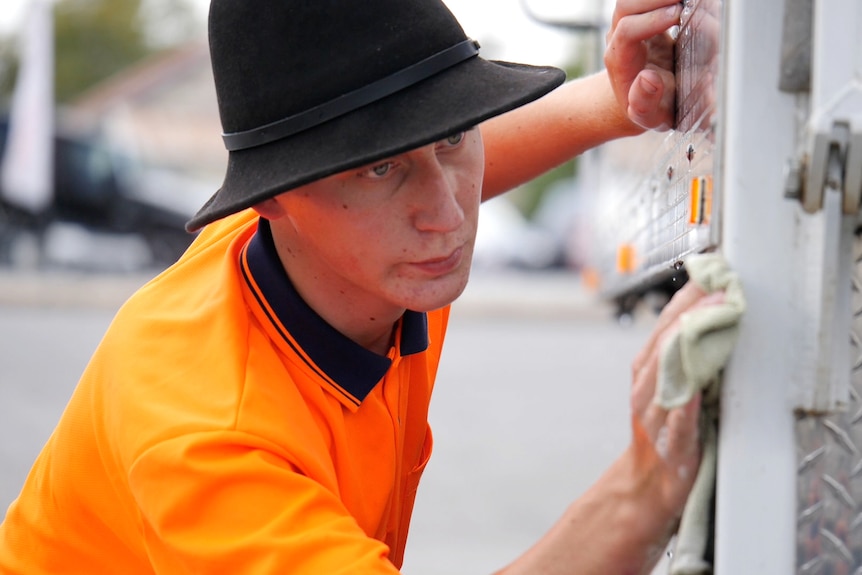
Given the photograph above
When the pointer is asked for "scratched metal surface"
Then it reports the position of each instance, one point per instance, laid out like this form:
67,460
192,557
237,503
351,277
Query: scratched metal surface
829,535
643,201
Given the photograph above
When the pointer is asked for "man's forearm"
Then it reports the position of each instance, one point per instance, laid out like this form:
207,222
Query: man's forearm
533,139
617,527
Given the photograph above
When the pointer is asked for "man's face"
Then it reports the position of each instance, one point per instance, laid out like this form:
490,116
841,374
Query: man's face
396,234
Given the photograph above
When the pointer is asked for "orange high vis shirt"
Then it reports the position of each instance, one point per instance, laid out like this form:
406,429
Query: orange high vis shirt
223,427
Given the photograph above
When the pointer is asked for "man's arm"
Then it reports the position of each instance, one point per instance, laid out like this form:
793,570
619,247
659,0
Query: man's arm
635,91
535,138
623,522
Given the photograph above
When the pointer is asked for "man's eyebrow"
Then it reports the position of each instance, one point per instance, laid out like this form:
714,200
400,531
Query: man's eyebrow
379,161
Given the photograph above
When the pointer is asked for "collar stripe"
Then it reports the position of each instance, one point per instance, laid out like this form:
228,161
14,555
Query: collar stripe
346,366
277,324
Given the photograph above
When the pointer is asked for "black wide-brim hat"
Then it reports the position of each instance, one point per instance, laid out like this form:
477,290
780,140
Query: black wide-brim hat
307,89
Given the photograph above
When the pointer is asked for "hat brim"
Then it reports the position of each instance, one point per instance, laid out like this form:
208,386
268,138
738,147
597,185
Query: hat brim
457,99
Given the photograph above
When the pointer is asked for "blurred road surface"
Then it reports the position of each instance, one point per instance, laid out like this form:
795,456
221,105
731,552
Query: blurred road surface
531,402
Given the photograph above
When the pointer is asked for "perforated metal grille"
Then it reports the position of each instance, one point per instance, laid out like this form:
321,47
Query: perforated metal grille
657,201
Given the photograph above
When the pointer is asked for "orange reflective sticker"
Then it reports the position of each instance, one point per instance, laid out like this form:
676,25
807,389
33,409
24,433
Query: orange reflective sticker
700,200
625,259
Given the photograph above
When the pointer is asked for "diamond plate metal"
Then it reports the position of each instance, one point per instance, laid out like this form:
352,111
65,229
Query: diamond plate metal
829,519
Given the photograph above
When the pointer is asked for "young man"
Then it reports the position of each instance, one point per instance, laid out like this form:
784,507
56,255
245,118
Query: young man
261,406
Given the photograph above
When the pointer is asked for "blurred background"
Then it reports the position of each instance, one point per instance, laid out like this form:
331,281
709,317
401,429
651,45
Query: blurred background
110,141
121,93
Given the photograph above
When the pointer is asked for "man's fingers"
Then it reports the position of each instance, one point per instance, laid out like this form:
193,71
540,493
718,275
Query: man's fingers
682,301
651,100
644,382
628,7
682,424
631,28
683,443
638,40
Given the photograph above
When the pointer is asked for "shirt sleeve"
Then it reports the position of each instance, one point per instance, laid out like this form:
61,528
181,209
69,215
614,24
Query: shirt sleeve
227,502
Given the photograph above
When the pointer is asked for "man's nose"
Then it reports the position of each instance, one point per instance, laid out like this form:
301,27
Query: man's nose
436,200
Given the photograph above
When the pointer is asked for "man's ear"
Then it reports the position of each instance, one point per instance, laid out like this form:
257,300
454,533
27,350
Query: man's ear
269,209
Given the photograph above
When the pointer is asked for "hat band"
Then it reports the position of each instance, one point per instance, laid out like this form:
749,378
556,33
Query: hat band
354,100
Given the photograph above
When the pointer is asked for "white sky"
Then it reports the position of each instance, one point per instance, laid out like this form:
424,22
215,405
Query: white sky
501,26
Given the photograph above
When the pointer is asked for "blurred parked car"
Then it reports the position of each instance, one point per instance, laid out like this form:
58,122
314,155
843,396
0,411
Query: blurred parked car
507,239
105,192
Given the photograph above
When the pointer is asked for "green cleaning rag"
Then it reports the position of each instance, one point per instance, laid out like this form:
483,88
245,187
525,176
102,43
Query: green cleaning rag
692,361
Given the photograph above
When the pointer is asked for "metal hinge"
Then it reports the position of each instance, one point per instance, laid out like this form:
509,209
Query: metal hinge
822,56
832,162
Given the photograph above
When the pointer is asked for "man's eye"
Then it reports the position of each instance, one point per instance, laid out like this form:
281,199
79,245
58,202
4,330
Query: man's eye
455,139
381,169
378,170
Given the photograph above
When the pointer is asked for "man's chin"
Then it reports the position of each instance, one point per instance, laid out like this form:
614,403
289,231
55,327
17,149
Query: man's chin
443,295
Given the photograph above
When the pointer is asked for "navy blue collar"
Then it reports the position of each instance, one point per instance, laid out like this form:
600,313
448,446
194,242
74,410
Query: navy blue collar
354,368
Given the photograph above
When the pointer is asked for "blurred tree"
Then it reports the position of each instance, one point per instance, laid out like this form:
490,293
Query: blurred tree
97,38
94,39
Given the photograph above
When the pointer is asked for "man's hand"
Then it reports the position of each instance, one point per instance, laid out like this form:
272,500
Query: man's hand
639,60
665,444
625,520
